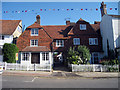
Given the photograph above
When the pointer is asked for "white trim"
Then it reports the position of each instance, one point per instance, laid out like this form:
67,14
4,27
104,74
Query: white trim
93,41
34,32
34,42
82,26
59,43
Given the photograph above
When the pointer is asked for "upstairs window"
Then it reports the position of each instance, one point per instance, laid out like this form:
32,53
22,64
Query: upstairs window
76,41
82,26
1,37
93,41
33,43
34,32
59,43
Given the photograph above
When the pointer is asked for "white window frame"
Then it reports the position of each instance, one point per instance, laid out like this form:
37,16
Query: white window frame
2,37
25,56
82,26
45,56
92,41
34,43
59,43
76,41
34,32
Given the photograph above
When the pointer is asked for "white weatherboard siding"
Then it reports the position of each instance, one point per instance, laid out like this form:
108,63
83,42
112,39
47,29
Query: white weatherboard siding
116,31
107,33
7,39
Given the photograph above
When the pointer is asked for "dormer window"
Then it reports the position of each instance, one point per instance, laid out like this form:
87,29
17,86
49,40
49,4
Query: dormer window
82,26
34,32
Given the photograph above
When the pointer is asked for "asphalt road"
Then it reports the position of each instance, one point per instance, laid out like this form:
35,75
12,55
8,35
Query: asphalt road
57,82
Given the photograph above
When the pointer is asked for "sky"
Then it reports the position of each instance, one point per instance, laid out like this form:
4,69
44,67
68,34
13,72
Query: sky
50,15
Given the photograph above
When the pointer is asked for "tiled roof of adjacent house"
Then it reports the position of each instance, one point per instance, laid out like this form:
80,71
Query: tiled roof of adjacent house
8,26
57,31
35,49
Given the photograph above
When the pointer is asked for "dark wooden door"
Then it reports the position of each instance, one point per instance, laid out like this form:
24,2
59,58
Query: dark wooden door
35,58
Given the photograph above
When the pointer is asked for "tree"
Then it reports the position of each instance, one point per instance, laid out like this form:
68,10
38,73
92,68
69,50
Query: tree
9,51
78,55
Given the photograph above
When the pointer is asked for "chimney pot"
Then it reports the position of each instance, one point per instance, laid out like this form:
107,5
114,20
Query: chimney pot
38,19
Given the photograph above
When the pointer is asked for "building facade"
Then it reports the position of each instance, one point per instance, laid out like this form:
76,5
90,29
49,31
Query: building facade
110,30
47,44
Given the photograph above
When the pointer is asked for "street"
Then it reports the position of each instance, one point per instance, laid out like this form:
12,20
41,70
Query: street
57,82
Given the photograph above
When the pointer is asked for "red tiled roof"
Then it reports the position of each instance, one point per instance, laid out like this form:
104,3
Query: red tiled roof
97,22
35,49
95,26
8,26
34,25
56,31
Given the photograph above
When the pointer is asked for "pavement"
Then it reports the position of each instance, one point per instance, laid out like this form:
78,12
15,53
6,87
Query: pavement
64,74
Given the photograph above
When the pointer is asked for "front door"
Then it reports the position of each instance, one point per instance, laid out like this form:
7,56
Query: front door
95,57
35,58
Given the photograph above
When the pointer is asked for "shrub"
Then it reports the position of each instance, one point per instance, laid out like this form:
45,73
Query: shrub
78,55
9,51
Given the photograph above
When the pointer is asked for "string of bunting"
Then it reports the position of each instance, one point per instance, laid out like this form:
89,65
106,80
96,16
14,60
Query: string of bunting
18,11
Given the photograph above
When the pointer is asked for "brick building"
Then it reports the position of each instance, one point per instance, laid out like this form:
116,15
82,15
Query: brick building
48,44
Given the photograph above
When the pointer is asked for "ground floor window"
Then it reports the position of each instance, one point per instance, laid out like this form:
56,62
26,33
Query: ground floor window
25,56
95,58
45,56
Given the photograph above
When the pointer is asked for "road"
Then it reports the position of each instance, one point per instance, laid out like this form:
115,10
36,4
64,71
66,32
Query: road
57,82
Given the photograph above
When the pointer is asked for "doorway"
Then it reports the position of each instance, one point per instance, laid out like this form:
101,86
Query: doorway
35,58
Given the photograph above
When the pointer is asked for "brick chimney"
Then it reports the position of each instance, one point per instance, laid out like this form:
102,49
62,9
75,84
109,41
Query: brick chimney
38,19
68,22
103,9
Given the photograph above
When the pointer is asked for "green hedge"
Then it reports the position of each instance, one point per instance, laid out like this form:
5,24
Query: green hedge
9,53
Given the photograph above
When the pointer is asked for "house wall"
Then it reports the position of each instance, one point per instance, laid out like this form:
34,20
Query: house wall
24,40
7,39
18,30
41,61
116,31
106,28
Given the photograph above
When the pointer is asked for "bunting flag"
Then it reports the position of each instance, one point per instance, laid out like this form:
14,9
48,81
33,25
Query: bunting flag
82,9
115,8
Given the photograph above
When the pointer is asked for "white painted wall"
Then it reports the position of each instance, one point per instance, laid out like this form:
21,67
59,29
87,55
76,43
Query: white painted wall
109,30
116,31
50,61
7,39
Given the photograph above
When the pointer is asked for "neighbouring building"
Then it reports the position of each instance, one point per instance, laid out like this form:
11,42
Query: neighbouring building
49,44
10,30
110,30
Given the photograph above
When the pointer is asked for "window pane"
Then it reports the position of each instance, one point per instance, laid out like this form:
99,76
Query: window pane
36,31
43,56
47,56
32,31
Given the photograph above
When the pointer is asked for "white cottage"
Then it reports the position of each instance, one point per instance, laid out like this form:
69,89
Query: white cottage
110,30
10,30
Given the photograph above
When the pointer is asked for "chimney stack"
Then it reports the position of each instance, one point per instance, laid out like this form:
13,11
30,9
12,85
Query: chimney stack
38,19
103,9
68,22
